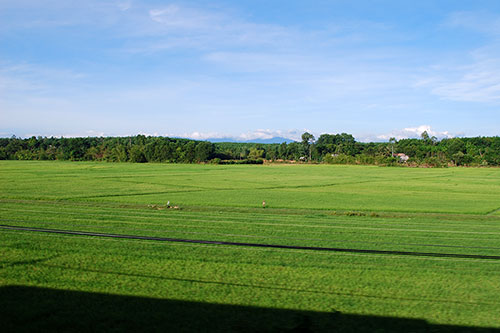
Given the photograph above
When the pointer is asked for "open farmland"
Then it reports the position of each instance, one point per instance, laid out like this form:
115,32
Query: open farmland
409,248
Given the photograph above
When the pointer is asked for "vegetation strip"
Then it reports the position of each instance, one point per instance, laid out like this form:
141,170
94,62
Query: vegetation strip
180,240
328,148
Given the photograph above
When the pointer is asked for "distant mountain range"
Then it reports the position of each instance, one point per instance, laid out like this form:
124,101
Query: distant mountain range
270,140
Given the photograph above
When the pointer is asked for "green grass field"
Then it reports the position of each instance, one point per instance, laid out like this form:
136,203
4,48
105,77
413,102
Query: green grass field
222,287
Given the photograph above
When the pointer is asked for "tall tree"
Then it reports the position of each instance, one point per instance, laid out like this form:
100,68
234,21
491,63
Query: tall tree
307,141
392,141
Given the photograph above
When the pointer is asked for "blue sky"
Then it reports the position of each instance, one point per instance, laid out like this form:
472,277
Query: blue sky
250,69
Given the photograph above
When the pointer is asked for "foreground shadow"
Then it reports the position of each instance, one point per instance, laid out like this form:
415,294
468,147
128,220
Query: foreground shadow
32,309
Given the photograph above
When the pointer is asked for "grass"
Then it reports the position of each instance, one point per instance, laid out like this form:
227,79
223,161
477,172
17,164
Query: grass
452,210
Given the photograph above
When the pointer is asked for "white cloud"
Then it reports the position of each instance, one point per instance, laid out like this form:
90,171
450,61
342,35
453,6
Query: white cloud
200,135
410,132
84,134
269,134
263,134
251,135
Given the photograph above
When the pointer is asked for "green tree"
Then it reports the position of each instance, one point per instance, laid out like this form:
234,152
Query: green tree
119,153
256,153
282,151
425,136
137,154
307,141
189,152
392,141
203,151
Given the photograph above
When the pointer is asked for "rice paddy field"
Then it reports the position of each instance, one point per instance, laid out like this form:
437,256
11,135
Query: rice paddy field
336,248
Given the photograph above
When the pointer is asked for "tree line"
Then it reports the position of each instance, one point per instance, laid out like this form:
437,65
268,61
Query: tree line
327,148
344,149
137,149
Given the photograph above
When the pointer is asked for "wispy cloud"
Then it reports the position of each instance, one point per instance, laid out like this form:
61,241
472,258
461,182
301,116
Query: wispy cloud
35,79
175,16
480,21
124,5
181,26
477,77
477,81
31,14
223,68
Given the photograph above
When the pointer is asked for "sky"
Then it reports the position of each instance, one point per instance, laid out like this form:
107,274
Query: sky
250,69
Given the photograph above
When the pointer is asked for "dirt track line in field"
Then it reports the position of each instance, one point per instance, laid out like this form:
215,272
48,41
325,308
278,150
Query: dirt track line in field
492,212
325,253
330,240
291,247
210,189
310,231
